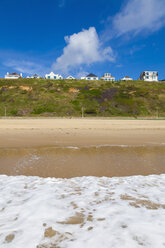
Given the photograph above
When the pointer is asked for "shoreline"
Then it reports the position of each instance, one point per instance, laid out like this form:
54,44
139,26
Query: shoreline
66,148
68,162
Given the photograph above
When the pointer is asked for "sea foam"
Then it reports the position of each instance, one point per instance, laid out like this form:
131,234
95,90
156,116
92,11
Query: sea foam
82,212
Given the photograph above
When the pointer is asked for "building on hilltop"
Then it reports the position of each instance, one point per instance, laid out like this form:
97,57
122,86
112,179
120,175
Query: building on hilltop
126,78
13,75
149,76
108,77
90,76
70,77
53,76
35,76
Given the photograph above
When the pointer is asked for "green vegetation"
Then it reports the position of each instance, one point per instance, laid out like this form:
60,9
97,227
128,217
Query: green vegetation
41,97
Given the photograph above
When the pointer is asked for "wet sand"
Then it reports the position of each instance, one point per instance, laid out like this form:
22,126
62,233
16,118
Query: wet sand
87,161
81,147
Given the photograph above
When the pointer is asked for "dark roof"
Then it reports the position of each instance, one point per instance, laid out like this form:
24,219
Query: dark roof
35,75
91,75
127,77
14,73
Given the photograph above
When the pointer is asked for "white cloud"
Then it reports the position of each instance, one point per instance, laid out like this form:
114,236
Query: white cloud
83,48
24,66
140,15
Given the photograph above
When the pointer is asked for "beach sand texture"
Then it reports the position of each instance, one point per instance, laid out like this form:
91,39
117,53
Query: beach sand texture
81,147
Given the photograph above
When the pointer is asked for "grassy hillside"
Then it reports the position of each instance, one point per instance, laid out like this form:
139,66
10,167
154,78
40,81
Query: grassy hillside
41,97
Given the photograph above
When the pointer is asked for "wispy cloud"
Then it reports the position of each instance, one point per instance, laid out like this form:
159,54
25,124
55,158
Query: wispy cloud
135,17
83,48
23,66
23,62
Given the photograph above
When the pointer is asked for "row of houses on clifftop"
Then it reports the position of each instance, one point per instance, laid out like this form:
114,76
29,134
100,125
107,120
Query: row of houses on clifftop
144,76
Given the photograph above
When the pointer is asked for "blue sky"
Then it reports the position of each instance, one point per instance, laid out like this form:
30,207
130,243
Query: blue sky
123,37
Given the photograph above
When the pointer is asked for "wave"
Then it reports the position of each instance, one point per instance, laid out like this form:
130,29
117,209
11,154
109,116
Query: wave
83,211
85,147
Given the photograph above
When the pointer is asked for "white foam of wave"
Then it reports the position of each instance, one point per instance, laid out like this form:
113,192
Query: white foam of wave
106,145
93,146
82,212
87,147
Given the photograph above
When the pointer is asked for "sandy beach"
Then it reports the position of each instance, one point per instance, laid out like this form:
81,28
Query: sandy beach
81,147
80,132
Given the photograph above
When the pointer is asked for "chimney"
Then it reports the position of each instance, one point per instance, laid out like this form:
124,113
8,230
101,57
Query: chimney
7,73
20,74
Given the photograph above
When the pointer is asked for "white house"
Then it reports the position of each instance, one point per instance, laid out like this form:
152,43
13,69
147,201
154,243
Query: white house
108,77
53,76
70,77
149,76
91,76
13,75
126,78
35,76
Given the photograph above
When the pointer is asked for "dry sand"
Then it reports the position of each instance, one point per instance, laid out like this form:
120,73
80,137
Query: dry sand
43,147
79,132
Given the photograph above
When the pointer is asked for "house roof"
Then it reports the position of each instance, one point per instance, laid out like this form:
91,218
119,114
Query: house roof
127,77
70,76
35,75
91,75
14,73
51,73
